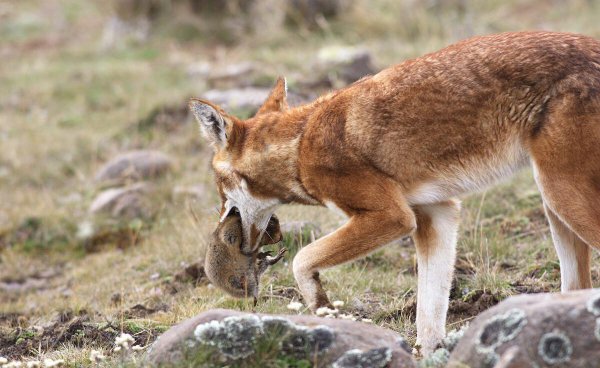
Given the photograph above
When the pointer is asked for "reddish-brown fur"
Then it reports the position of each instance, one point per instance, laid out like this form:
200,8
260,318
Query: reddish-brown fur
413,137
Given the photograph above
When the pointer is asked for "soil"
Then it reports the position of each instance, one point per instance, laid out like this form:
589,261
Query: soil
17,342
459,309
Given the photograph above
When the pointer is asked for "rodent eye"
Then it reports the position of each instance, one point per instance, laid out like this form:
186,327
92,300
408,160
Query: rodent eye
231,238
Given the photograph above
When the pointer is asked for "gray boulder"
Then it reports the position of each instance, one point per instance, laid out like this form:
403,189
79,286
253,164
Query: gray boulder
134,166
127,202
537,330
197,191
247,99
338,66
221,337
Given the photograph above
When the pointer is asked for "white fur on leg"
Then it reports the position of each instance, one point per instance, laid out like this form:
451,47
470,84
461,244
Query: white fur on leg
565,242
436,253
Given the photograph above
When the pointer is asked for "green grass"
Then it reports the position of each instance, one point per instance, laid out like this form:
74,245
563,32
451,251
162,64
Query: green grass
66,106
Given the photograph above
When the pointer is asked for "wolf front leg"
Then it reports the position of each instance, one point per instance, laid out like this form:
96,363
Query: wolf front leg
435,239
363,233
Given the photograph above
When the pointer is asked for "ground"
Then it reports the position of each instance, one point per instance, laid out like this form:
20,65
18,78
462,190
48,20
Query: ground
67,105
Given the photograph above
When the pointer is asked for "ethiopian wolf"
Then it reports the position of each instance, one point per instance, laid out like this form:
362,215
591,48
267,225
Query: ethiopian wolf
394,150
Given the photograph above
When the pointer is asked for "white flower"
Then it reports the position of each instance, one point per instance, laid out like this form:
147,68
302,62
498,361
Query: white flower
85,230
34,364
117,349
295,306
366,320
136,348
124,341
3,360
338,303
96,356
49,363
347,316
323,311
13,364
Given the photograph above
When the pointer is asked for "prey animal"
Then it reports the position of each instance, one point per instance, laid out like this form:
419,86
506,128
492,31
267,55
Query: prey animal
393,152
231,270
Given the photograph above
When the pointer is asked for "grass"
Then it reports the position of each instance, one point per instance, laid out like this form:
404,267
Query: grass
66,106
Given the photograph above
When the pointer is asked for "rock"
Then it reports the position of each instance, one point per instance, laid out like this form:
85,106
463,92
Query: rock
134,166
439,358
193,191
232,74
247,99
339,66
127,202
538,330
199,69
227,337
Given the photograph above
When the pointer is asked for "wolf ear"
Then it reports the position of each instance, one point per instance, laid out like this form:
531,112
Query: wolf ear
277,100
212,124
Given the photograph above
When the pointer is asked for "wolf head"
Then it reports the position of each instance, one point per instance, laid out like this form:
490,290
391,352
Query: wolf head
254,160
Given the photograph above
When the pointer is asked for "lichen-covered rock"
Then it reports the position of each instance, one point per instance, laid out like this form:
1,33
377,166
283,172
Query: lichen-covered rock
134,166
374,358
224,337
439,358
234,337
539,330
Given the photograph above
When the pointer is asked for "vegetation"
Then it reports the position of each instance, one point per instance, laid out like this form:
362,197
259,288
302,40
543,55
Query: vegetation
68,104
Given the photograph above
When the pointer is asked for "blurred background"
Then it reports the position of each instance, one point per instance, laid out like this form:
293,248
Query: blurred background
106,195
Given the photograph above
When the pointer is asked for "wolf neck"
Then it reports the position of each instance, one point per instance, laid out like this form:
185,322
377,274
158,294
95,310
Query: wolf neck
272,149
